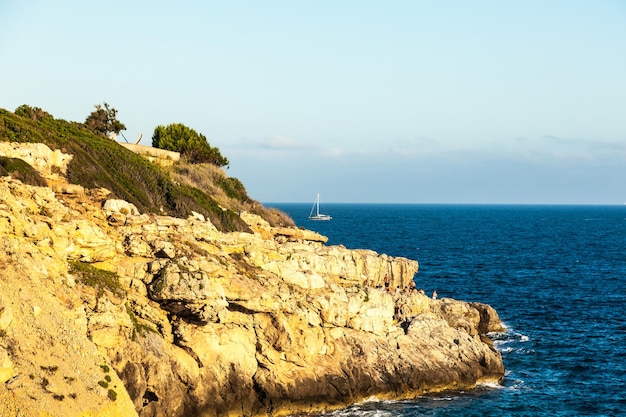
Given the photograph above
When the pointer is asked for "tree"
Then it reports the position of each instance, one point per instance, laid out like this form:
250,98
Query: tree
104,120
192,145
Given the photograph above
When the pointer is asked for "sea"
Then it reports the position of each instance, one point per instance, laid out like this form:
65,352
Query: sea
555,274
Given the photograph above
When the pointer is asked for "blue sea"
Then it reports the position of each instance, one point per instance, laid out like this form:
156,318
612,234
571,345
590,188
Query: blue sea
555,274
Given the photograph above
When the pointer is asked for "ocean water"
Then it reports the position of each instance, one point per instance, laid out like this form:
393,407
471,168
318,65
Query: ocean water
555,274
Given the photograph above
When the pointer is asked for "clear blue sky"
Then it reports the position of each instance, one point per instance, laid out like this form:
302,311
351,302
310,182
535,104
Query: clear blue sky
362,101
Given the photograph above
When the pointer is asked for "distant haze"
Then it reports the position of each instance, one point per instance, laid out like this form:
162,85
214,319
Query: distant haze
362,101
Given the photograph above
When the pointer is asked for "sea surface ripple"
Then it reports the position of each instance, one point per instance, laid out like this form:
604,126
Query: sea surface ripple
555,274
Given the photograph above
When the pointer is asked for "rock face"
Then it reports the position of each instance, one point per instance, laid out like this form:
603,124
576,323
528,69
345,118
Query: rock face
174,318
39,156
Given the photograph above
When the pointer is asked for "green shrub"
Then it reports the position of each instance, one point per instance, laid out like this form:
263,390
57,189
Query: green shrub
21,170
34,113
233,188
192,145
112,395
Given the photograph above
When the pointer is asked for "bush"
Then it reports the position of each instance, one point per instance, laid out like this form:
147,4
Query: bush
192,145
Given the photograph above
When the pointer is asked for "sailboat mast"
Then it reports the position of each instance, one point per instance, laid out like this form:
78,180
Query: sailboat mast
317,204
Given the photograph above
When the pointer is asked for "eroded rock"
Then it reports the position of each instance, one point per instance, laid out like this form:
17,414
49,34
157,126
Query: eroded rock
199,322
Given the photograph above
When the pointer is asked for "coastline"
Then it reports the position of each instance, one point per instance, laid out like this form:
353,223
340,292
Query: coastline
193,321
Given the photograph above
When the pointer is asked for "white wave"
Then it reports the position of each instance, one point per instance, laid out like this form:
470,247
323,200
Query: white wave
441,398
505,325
520,337
510,341
511,383
360,408
490,384
362,413
508,333
515,385
371,399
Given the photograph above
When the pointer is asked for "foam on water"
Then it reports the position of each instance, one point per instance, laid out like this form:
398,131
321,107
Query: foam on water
357,410
490,385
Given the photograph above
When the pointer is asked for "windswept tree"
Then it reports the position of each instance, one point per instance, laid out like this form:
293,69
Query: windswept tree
104,121
192,145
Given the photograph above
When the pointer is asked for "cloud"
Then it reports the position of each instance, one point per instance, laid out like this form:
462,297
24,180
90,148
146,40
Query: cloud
591,150
332,152
414,146
282,143
279,143
514,171
589,144
284,147
550,149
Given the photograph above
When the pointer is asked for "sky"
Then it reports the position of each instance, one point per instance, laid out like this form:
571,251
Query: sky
496,102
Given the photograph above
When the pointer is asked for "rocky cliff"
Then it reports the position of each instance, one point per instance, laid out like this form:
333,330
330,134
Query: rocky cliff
105,311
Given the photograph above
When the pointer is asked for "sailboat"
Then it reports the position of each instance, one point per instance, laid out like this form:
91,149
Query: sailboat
315,211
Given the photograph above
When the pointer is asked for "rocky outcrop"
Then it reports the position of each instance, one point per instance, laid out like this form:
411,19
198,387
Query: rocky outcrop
39,156
174,318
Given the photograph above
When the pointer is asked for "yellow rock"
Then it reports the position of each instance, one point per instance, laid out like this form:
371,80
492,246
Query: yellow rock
6,367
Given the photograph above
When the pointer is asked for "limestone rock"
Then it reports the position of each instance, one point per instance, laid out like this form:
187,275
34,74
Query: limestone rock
38,155
6,317
6,366
174,318
120,206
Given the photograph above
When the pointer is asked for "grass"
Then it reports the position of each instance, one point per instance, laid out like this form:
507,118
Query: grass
138,328
96,278
101,162
226,191
20,170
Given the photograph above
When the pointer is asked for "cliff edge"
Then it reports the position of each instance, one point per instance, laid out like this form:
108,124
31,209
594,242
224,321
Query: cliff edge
106,311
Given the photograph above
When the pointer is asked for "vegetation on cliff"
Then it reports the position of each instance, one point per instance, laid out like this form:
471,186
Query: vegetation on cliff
103,120
192,145
20,170
99,162
108,311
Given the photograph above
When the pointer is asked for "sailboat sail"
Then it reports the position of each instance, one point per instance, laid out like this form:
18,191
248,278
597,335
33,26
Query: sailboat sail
315,211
